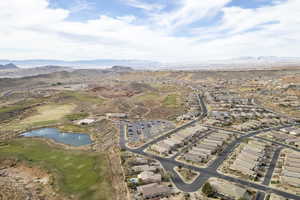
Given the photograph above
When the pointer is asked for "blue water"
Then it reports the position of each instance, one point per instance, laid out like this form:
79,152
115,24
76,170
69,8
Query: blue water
74,139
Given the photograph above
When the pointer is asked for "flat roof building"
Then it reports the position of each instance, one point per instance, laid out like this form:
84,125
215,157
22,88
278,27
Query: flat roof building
154,190
149,177
229,190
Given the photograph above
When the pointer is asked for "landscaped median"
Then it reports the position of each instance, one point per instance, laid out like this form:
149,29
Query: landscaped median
187,175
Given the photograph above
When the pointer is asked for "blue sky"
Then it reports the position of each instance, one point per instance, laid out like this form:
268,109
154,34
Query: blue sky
91,9
163,30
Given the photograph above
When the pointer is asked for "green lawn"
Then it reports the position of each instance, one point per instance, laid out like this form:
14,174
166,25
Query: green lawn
78,173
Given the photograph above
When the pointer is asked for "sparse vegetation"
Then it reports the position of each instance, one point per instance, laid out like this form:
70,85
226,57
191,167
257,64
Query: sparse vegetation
187,174
62,98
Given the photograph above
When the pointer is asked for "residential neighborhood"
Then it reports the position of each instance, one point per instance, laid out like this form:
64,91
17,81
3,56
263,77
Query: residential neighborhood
229,150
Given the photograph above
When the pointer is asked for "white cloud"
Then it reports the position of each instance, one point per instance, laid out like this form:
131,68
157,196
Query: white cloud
128,19
18,13
33,30
143,5
80,5
190,11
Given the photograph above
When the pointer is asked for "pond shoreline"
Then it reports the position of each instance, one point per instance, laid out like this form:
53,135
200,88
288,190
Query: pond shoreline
70,141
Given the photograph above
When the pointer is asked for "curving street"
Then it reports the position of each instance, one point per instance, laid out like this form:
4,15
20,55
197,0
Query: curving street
211,171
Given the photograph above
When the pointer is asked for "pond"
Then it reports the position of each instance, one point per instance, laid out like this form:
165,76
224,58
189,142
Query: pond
74,139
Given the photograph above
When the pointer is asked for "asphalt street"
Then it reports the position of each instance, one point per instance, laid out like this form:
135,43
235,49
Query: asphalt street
260,195
271,167
211,171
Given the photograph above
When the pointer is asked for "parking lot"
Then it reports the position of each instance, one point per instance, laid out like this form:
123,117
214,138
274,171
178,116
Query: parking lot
143,131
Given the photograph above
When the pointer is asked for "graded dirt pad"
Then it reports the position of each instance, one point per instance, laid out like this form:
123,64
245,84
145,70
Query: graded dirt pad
124,90
165,105
75,173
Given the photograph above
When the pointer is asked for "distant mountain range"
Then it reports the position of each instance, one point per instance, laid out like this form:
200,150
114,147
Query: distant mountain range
121,69
15,72
12,71
8,66
98,63
236,63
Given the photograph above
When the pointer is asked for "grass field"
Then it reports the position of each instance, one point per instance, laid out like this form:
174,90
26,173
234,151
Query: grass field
10,112
11,108
19,106
68,127
85,175
82,97
151,96
172,100
76,116
49,113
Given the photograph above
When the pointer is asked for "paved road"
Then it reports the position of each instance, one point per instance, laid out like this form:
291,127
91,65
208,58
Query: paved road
205,173
278,143
230,147
203,114
211,170
271,168
254,132
260,196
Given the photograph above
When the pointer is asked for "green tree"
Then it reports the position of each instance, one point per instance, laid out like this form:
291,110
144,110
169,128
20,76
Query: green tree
208,190
166,176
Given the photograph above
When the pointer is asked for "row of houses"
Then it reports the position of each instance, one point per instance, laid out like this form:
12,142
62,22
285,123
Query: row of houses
211,144
229,109
258,124
282,137
291,131
288,101
233,115
194,108
178,140
219,95
290,173
252,155
148,179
